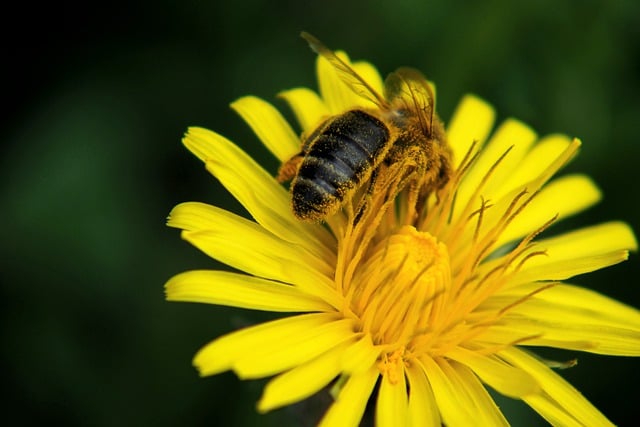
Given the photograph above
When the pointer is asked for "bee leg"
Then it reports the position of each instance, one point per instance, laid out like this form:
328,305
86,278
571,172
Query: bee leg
433,182
418,187
413,197
362,205
289,168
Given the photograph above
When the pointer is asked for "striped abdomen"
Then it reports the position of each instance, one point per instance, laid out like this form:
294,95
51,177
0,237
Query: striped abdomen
338,158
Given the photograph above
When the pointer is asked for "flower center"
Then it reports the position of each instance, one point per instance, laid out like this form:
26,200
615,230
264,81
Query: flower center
402,291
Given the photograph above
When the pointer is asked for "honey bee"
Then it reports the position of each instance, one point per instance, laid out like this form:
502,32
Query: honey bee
348,149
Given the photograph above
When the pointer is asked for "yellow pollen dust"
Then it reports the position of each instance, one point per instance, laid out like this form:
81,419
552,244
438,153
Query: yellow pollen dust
401,289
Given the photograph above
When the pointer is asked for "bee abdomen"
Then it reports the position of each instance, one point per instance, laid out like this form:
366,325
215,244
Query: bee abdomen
341,155
353,135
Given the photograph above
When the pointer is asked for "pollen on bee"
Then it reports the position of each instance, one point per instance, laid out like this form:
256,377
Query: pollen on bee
289,169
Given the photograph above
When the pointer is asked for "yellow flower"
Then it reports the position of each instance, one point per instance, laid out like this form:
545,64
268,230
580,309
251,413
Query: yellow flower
422,313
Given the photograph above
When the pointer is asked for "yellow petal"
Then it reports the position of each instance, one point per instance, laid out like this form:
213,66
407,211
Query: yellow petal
360,355
392,405
519,298
503,378
586,304
269,125
462,399
538,159
224,236
286,352
454,412
471,122
563,197
551,412
486,408
569,317
515,205
608,340
423,410
307,106
336,94
350,404
239,290
512,136
265,199
576,252
220,354
371,75
302,381
555,165
562,393
519,200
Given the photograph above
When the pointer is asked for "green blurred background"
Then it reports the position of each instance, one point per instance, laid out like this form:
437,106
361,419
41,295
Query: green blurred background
99,97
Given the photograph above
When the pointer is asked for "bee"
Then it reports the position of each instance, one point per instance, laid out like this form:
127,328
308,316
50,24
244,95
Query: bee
347,150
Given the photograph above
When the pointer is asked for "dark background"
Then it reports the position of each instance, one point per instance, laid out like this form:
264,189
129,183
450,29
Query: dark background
98,98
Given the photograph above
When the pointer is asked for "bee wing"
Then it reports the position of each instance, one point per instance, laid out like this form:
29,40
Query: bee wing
346,73
412,91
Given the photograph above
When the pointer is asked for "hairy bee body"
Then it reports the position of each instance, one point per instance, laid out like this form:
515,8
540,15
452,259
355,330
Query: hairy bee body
401,130
337,158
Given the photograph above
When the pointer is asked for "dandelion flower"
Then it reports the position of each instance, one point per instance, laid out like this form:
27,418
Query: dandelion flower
417,313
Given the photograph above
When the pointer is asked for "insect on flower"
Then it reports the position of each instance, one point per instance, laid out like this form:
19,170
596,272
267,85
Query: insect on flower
348,150
435,277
